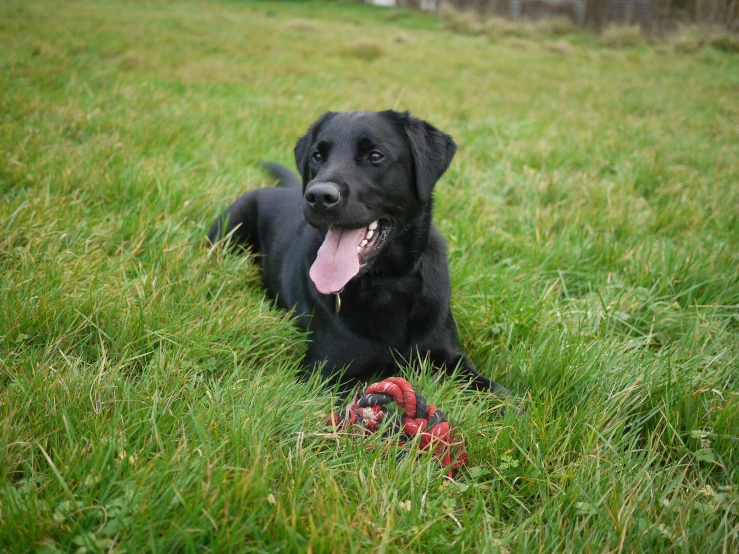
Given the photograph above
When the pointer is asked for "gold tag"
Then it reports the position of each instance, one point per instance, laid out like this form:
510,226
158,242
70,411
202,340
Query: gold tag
338,302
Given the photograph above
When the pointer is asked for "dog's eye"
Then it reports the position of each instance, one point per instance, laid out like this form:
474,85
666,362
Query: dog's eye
317,156
375,156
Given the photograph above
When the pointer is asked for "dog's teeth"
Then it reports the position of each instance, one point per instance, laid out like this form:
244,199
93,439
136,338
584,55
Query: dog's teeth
359,249
364,242
369,234
373,226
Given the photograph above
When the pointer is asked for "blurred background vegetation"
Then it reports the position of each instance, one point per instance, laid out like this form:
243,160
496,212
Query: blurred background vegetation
658,16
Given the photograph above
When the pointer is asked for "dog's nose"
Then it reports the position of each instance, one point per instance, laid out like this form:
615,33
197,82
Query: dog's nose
322,196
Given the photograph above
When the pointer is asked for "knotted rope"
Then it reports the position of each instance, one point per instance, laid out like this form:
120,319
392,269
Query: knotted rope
368,410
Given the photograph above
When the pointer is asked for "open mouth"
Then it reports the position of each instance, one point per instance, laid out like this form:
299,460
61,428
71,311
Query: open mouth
344,253
372,242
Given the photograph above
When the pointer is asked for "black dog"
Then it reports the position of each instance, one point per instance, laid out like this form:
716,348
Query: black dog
355,252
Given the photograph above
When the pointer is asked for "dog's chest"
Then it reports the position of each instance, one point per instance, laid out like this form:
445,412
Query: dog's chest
379,316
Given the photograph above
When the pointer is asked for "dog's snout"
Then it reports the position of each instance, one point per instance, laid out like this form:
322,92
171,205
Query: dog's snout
322,196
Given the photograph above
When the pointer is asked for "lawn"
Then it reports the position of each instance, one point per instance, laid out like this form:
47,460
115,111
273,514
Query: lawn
149,398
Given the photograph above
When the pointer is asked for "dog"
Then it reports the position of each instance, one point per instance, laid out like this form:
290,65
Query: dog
351,247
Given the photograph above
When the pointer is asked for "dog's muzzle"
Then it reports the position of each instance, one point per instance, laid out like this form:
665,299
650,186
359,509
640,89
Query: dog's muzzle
322,197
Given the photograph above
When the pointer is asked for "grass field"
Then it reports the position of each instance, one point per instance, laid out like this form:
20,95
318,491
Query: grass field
148,390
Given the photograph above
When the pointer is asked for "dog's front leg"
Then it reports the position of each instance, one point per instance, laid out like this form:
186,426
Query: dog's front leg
336,365
450,361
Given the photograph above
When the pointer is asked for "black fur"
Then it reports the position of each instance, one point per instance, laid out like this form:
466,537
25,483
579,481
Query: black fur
398,307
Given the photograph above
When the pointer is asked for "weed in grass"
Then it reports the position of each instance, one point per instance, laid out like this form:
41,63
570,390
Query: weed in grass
622,36
691,38
461,21
561,47
303,25
402,37
366,51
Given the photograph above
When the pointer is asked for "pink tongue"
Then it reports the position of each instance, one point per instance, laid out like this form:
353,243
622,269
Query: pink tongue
338,260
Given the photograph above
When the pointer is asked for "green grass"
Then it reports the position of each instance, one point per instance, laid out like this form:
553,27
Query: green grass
148,390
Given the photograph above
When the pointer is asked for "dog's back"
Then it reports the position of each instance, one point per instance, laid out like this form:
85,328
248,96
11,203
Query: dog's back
287,178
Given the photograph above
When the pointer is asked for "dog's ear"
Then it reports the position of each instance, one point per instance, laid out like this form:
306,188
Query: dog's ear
432,153
303,145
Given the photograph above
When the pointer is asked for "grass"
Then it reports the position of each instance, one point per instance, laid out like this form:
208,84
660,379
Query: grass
148,391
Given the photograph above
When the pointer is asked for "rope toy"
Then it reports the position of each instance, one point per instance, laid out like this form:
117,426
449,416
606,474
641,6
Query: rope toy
368,410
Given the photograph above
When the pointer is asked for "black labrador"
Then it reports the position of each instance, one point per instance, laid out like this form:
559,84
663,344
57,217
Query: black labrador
353,248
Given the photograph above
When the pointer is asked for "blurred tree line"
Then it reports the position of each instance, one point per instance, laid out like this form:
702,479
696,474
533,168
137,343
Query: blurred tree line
653,15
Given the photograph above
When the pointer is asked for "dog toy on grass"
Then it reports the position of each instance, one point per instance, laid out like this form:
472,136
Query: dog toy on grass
368,410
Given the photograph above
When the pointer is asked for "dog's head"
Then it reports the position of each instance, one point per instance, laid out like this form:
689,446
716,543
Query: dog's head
365,176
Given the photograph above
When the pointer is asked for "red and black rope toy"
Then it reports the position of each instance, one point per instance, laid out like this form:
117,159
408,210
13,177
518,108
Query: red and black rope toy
368,410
